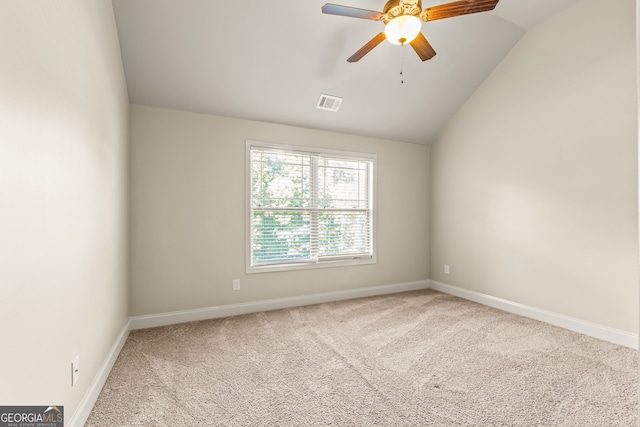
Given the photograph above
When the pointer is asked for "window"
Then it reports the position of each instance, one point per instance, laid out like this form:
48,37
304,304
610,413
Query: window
308,208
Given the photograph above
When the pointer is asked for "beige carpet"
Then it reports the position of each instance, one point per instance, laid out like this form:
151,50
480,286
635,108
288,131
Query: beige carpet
419,358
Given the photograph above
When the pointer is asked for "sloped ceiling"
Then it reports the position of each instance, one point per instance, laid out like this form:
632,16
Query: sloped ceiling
270,61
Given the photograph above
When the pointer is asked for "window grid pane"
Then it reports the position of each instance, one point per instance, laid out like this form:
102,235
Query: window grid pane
280,236
280,180
343,233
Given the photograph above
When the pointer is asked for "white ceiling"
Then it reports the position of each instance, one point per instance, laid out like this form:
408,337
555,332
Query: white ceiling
270,61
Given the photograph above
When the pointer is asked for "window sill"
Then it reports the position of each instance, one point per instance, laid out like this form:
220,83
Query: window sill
310,265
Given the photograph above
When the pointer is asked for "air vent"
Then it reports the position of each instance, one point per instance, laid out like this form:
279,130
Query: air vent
329,103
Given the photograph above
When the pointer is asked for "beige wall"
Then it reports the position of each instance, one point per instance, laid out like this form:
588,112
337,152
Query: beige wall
63,187
188,212
534,181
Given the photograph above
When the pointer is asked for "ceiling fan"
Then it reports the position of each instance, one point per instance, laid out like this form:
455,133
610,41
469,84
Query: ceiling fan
402,20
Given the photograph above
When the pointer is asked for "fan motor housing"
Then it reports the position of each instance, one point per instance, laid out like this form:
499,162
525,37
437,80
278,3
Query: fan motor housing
394,8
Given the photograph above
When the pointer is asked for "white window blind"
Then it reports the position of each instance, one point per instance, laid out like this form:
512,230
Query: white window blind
309,207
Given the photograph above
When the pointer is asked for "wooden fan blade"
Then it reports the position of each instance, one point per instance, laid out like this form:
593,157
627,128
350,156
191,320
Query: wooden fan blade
367,48
422,47
457,8
352,12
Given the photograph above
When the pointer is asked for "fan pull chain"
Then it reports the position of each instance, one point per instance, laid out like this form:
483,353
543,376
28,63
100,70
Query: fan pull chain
402,64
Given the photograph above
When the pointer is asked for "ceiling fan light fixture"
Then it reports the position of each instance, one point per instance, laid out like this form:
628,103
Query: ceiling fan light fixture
402,29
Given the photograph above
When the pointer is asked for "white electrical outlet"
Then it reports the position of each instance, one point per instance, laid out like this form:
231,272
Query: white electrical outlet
75,370
236,285
446,269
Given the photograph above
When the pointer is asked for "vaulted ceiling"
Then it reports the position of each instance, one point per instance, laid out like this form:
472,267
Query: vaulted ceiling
271,60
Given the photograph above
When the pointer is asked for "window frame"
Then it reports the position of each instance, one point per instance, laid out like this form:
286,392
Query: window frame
311,264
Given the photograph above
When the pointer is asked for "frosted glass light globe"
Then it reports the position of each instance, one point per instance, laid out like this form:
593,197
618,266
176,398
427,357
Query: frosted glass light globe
402,29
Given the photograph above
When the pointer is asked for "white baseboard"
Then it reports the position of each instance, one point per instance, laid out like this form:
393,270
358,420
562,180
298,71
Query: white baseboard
605,333
83,411
153,320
